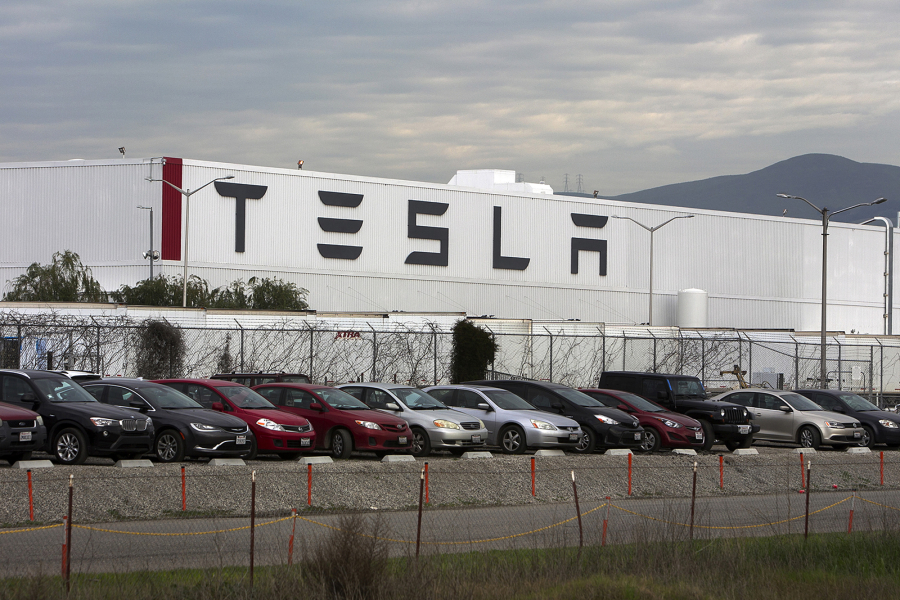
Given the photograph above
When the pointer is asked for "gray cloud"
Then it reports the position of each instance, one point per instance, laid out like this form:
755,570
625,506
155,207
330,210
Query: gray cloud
630,94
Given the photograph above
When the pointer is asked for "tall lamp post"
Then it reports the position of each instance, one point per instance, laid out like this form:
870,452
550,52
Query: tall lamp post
150,254
187,215
652,230
826,215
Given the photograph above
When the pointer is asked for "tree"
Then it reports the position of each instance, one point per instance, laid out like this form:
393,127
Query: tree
473,350
275,294
65,279
161,350
165,291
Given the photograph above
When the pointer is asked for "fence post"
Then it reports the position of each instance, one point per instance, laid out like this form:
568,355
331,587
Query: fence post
67,552
291,540
532,476
252,521
629,474
721,472
802,473
882,467
310,374
434,344
30,498
808,479
183,491
578,512
605,521
693,500
426,482
419,525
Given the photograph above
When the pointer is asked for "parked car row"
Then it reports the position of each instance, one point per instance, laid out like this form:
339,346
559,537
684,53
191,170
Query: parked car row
285,416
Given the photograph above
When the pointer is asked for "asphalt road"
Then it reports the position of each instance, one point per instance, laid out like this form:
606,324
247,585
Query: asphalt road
218,542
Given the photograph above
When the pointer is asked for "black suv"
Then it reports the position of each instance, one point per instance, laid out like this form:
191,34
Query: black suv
183,427
601,427
77,425
879,426
723,421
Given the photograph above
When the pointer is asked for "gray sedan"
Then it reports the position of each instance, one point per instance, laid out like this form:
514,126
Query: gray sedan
432,424
512,423
790,417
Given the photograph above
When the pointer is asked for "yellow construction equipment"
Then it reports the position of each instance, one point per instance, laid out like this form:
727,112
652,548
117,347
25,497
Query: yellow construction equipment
736,371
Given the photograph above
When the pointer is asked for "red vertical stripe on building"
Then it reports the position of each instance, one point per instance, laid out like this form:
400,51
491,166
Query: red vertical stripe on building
170,247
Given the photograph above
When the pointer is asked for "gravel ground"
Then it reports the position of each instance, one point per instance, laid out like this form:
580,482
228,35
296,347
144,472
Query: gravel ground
104,493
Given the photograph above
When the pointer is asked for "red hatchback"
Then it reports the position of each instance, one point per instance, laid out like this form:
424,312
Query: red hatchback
343,422
275,431
662,428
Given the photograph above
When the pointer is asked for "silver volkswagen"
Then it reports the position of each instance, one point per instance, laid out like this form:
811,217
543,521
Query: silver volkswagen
433,425
512,423
790,417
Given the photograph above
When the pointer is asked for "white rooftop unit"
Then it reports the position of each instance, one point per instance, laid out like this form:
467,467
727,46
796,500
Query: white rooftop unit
497,180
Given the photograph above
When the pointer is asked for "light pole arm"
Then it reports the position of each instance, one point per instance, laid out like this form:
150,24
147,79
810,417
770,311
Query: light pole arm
661,225
879,201
817,209
181,191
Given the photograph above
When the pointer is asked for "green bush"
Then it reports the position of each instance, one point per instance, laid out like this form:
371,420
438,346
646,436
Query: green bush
161,351
473,350
65,279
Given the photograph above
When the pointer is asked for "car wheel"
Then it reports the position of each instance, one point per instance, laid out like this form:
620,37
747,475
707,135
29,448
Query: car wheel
512,440
341,444
169,446
587,442
421,445
17,456
651,441
868,437
709,437
254,449
70,446
809,437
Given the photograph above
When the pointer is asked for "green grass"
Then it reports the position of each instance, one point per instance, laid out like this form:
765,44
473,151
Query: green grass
824,567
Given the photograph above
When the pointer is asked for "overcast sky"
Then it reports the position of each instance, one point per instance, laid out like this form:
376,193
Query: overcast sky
630,94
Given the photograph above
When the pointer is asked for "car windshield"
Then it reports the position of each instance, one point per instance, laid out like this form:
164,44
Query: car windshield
244,397
799,402
688,388
507,400
576,397
636,401
340,399
857,402
62,390
417,399
164,397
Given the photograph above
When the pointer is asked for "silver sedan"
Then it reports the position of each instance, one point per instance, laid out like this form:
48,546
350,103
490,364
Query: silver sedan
512,423
790,417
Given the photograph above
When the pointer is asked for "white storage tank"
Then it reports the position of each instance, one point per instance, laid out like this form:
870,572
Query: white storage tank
692,308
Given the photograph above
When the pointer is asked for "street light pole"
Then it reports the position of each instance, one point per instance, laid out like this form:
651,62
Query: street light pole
150,253
652,230
826,216
187,215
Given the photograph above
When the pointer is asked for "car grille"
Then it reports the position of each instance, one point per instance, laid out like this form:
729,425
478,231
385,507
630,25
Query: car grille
734,414
133,424
692,428
400,427
298,428
25,424
470,426
569,429
236,429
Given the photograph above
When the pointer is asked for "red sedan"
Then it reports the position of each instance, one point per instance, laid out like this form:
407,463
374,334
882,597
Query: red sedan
662,428
343,422
275,431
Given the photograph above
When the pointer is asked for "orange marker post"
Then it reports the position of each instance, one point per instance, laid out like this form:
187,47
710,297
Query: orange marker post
30,498
629,474
183,491
721,472
309,484
426,482
605,521
532,476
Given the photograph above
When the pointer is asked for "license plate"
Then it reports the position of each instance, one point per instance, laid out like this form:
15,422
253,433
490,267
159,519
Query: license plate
476,439
401,439
573,437
637,437
856,434
698,435
304,441
25,436
240,440
743,429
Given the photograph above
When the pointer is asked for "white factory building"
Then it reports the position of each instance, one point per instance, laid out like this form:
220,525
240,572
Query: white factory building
484,244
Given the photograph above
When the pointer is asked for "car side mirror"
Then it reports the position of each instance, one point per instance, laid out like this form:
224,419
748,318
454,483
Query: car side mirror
29,397
315,406
141,406
838,409
483,406
556,405
391,406
218,406
625,408
784,408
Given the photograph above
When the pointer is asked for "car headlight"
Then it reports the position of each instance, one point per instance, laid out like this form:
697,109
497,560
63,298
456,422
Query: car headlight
542,425
368,424
721,412
103,422
40,420
888,423
268,424
834,425
668,422
607,420
446,424
203,427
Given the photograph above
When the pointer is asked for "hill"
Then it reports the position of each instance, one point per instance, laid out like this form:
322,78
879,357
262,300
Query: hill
825,180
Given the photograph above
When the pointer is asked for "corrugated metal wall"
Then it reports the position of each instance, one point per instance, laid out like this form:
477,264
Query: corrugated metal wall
759,271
